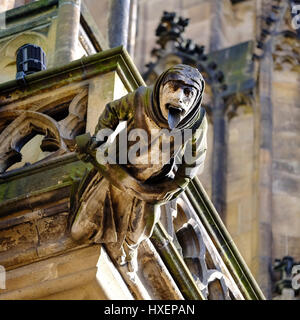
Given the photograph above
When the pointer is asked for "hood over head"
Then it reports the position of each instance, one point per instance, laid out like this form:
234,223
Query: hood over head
190,76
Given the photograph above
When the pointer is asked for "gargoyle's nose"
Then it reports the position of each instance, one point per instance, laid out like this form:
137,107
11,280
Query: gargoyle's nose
180,96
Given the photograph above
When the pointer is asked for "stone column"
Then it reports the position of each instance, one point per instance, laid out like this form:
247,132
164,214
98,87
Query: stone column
219,165
264,153
216,29
118,23
265,170
68,22
132,27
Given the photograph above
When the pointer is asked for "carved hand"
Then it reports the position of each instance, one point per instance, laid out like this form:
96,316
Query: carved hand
151,193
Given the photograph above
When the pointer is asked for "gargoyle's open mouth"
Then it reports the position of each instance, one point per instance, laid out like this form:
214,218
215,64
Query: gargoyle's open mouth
174,109
175,114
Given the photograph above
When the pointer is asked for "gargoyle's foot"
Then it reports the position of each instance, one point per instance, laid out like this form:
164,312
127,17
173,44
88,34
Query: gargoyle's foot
125,256
131,252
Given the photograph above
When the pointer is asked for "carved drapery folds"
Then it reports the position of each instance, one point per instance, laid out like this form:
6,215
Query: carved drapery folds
59,122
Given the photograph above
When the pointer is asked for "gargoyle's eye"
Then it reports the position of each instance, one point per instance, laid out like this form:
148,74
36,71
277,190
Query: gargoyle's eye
188,92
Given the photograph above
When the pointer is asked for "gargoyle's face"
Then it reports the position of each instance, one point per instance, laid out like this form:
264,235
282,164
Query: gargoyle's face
176,99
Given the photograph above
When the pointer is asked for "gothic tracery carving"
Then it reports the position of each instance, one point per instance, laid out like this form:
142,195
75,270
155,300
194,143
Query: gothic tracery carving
19,126
201,258
74,123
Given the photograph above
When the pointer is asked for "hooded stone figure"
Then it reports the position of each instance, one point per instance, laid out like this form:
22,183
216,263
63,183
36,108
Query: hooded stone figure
120,205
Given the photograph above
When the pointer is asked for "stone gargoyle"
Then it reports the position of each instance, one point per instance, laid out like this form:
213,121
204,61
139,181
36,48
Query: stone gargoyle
120,201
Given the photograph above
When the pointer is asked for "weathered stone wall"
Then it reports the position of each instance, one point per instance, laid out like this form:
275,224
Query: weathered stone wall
99,11
286,164
241,216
